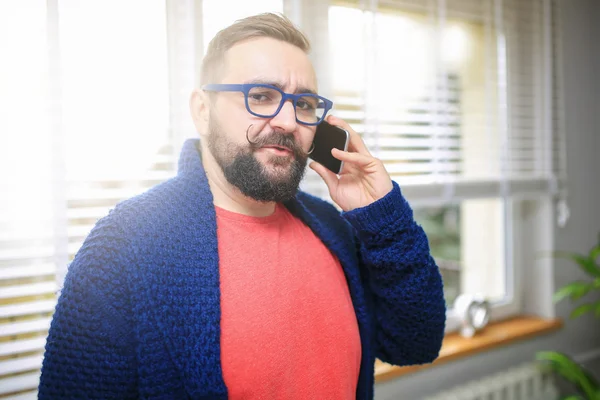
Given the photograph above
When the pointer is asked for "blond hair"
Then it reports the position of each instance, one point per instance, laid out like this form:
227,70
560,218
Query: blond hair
270,25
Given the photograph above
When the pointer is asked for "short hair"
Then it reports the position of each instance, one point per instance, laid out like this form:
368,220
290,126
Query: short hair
276,26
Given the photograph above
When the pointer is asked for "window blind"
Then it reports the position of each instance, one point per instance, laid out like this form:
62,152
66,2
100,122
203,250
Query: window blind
114,106
458,97
91,116
86,127
110,113
27,251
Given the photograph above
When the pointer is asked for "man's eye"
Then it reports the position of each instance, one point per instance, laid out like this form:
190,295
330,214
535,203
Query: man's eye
259,97
305,105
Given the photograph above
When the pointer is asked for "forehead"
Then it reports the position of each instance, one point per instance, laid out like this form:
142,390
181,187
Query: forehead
269,60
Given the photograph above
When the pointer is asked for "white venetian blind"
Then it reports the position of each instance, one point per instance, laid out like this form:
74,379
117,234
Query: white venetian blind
93,110
114,105
27,236
457,97
84,125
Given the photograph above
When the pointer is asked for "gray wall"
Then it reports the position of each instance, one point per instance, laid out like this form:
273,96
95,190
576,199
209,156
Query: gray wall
581,338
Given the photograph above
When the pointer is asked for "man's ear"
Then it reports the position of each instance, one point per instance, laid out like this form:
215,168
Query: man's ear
200,110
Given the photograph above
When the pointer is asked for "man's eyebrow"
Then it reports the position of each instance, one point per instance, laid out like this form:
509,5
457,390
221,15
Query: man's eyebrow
280,86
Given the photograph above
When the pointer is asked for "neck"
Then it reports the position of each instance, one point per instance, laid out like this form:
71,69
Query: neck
229,197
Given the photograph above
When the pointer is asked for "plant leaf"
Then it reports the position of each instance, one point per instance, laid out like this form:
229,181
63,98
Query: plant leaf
561,364
572,397
595,253
575,290
582,309
570,370
587,264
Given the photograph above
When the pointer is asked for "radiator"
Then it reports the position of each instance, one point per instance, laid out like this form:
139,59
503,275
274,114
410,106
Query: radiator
525,382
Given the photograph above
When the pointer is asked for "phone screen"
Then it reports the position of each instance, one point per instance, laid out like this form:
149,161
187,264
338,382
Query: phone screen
327,137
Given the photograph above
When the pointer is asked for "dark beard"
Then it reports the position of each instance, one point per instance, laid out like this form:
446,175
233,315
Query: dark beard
242,169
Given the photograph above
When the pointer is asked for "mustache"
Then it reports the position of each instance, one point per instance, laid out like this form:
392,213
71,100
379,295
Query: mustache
278,139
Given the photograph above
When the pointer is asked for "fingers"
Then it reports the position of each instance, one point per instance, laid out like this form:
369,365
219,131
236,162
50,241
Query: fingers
356,142
358,159
329,177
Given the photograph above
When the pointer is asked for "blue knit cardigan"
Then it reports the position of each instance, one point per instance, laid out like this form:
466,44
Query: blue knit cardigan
139,313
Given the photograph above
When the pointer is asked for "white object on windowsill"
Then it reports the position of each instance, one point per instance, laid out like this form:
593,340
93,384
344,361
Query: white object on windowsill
474,313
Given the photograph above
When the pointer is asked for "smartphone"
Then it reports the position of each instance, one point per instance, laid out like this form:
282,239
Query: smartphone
328,137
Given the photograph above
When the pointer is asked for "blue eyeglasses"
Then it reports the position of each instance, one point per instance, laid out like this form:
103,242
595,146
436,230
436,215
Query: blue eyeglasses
266,101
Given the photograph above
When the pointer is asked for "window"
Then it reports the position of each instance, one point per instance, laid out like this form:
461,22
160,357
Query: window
221,13
452,96
114,110
90,118
456,96
27,250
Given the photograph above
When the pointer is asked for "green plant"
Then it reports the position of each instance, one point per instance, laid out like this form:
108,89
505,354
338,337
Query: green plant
560,363
564,366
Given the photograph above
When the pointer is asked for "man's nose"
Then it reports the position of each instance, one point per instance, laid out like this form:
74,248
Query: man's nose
285,119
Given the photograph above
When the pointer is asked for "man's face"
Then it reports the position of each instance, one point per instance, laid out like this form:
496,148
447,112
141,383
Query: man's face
271,168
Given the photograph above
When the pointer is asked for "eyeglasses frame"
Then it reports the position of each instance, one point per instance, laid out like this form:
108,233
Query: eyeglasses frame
246,87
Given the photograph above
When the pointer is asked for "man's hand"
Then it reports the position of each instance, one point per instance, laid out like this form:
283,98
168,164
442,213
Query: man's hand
363,180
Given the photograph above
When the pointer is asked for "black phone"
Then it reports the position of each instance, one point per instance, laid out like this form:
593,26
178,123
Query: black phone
326,138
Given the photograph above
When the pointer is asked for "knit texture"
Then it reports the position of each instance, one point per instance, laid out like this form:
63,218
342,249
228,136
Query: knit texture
139,313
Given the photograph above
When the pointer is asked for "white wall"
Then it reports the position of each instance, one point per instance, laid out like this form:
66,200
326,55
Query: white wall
581,47
581,67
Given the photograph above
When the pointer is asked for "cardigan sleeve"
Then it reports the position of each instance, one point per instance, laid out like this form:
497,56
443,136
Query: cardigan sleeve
89,351
404,281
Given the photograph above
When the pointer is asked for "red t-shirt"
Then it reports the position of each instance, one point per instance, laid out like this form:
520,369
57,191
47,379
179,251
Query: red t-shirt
288,327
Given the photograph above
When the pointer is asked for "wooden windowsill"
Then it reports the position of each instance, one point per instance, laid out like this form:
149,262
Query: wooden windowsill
494,335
